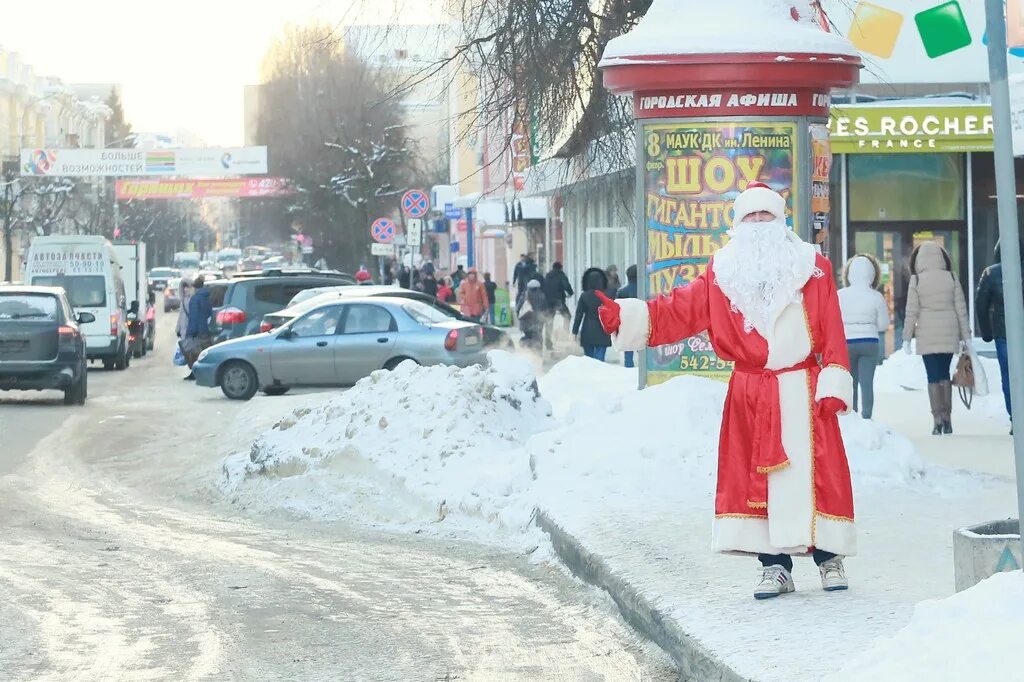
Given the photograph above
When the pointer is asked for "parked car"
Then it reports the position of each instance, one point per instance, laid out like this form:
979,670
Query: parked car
158,277
240,303
494,337
337,343
42,345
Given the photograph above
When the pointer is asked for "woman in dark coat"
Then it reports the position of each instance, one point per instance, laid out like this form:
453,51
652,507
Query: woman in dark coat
586,324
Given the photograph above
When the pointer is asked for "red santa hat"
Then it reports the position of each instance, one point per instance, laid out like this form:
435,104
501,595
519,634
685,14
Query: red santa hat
759,197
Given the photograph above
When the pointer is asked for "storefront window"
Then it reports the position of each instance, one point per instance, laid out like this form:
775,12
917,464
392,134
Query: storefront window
898,187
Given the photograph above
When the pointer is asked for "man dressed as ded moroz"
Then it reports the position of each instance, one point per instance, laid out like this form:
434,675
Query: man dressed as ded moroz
768,302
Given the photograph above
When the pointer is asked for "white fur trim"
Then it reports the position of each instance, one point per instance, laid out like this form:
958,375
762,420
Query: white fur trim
756,199
749,535
791,490
634,325
835,535
835,382
789,342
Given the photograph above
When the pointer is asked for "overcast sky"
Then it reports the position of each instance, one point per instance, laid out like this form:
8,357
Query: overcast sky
182,63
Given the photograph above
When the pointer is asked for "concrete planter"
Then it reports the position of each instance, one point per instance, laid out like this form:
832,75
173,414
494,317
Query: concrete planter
985,549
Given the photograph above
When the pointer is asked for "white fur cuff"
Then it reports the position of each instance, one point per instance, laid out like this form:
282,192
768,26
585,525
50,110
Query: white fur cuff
634,325
835,382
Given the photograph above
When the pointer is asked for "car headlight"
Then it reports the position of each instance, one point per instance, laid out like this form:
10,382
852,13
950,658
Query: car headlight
203,354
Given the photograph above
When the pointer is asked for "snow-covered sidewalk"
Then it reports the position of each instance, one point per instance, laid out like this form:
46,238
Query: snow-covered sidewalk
630,476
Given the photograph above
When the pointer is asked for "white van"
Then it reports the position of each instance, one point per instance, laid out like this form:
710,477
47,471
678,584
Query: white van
86,268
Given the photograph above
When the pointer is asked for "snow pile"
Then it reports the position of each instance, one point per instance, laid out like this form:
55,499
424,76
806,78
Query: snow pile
973,635
619,443
443,438
663,440
473,446
699,27
578,383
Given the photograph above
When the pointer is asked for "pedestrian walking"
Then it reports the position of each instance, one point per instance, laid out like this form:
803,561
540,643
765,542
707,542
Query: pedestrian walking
769,303
389,275
937,319
197,335
628,291
865,316
181,328
458,276
445,294
531,315
404,277
429,283
992,318
472,296
587,325
522,273
614,284
556,290
492,297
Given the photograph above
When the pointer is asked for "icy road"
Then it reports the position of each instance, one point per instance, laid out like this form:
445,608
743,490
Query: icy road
119,561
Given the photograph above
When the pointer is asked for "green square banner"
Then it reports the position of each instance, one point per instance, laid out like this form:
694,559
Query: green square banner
943,29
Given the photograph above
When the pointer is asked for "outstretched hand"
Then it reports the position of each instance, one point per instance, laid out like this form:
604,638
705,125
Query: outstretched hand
828,407
608,313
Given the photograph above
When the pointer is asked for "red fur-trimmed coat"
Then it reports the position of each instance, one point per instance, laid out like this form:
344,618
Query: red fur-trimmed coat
783,478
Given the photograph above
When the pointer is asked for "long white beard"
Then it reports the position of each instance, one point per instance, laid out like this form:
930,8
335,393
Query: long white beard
762,269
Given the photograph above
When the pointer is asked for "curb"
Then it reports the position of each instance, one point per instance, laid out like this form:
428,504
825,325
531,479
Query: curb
695,662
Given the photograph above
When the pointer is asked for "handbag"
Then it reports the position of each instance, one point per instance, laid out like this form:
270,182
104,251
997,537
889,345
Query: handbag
963,379
179,358
969,377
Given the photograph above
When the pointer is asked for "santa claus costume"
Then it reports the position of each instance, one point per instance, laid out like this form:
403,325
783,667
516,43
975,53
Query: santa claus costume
769,304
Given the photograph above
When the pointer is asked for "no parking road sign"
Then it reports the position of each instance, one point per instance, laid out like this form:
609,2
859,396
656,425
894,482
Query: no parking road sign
415,203
383,230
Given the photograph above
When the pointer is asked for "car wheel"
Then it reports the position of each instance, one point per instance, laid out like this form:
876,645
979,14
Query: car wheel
75,393
276,390
395,362
238,380
167,308
108,364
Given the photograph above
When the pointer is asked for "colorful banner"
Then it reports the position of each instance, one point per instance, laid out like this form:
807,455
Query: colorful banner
209,161
821,190
692,173
240,188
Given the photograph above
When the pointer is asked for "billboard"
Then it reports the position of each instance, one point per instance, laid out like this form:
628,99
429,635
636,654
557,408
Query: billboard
691,175
202,162
212,188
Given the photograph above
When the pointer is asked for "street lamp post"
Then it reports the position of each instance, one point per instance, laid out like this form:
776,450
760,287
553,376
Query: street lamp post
1009,234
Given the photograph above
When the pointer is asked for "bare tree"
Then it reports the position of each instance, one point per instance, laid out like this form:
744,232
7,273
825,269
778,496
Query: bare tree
344,149
33,204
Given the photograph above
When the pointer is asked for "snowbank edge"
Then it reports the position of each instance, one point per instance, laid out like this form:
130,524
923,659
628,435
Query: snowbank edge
695,661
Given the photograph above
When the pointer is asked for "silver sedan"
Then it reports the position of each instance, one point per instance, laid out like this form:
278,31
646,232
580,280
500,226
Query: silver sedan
337,344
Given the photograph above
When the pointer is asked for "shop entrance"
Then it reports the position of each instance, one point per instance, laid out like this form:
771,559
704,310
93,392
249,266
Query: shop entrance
892,244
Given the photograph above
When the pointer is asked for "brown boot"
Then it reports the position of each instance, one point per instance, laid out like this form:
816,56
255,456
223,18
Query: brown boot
935,400
947,406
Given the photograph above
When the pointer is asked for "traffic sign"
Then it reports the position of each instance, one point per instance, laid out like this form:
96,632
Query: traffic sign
383,230
415,203
414,231
452,213
382,249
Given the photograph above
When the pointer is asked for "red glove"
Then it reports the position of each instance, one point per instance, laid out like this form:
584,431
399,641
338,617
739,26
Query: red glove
609,313
828,407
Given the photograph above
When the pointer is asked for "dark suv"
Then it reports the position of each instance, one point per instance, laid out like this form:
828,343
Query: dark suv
41,345
240,303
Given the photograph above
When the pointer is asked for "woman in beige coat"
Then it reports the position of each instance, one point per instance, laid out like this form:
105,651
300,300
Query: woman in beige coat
937,318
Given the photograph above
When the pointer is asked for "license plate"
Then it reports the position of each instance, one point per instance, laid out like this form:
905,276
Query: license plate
472,340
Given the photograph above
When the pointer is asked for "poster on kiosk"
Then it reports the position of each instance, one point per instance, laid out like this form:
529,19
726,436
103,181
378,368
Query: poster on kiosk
708,123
